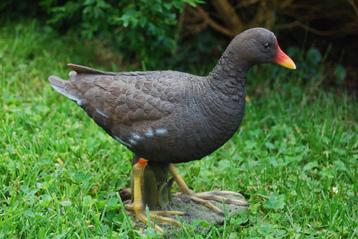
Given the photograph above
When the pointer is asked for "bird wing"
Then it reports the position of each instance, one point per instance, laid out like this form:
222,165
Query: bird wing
125,99
123,104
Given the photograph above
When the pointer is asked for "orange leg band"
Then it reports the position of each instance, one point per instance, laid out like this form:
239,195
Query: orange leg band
142,162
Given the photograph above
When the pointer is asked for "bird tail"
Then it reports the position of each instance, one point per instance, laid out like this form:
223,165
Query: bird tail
65,88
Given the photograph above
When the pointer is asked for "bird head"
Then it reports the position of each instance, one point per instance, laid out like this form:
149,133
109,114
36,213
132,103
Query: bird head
257,46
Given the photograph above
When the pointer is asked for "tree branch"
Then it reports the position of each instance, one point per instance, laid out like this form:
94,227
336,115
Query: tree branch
354,6
216,26
228,15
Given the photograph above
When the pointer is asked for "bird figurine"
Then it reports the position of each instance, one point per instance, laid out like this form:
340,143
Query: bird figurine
169,117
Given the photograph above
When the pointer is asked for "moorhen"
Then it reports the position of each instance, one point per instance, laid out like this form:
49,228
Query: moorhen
170,116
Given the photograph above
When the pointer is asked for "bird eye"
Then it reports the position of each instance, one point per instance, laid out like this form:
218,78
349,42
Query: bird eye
267,45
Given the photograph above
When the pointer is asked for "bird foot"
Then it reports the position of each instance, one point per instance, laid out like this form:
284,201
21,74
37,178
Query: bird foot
208,198
157,217
224,196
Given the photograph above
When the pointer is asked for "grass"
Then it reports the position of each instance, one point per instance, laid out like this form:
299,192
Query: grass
294,158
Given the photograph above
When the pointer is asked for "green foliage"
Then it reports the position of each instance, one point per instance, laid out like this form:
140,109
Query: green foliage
314,69
144,31
314,57
275,202
340,73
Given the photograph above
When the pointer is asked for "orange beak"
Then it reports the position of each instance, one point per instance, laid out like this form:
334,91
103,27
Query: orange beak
282,59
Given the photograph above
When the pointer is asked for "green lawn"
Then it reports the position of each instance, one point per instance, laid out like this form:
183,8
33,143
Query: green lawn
294,158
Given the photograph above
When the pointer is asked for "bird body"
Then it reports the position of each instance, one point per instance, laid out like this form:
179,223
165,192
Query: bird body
168,117
163,116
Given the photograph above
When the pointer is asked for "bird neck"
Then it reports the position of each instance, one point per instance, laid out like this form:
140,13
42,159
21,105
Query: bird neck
230,72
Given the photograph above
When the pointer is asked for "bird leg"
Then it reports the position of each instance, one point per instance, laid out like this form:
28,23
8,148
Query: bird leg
205,197
137,205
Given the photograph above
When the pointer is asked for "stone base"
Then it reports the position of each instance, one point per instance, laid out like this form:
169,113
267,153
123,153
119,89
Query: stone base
196,211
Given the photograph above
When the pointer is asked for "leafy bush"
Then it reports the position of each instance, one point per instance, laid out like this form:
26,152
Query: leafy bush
145,31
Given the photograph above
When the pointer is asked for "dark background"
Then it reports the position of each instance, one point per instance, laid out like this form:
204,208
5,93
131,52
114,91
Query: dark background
190,35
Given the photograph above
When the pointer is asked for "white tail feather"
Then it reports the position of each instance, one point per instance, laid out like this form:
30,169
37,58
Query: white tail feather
62,87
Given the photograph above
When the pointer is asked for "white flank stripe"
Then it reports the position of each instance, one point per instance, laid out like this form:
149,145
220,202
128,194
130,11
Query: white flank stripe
161,131
101,113
149,133
121,141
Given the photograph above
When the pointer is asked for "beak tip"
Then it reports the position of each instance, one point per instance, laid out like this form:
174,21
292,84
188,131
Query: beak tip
287,63
284,60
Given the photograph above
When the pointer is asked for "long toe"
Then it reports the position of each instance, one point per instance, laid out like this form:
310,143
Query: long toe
208,199
224,197
156,217
167,213
205,202
142,218
164,220
130,207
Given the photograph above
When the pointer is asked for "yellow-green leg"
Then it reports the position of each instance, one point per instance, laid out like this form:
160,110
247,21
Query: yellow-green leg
203,198
137,205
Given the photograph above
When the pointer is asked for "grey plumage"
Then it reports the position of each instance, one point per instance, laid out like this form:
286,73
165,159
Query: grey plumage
168,116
